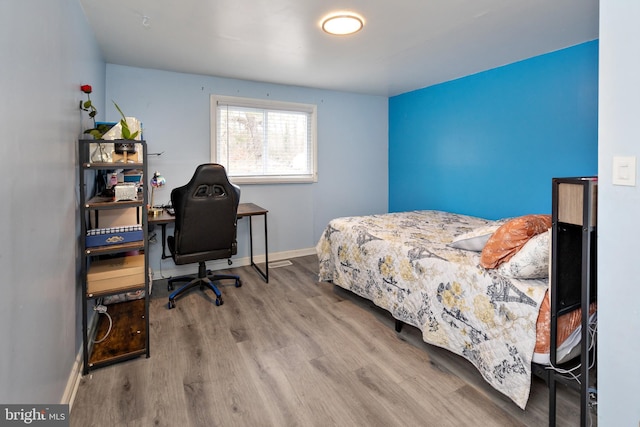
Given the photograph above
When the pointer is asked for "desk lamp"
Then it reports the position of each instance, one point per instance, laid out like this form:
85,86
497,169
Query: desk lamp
156,181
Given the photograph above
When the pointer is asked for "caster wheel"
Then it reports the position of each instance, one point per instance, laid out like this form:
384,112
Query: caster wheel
238,283
219,302
172,304
229,262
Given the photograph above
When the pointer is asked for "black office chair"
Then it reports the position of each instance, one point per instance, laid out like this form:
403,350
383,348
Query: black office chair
206,211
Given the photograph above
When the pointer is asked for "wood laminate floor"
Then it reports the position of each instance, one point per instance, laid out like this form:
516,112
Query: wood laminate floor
295,352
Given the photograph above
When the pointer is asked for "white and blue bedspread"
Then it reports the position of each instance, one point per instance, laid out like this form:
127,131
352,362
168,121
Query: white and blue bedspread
401,262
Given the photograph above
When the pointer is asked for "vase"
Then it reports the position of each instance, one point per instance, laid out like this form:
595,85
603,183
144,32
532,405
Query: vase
100,154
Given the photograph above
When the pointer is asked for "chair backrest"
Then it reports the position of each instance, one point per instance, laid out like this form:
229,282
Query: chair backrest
206,216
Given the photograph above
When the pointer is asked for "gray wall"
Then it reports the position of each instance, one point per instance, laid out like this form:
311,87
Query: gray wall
619,211
47,52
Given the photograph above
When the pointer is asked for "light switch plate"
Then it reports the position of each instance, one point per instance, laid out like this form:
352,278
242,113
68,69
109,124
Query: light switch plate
624,171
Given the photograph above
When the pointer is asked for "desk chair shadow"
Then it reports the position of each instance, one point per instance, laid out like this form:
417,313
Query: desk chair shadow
205,229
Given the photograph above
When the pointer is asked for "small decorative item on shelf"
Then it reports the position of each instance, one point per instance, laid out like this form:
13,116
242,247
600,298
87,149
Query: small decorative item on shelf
156,181
128,128
99,153
128,133
88,106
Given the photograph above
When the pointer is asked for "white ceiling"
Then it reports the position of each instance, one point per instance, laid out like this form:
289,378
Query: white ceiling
405,44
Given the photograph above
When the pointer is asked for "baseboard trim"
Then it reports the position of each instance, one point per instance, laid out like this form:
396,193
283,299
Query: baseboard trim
176,270
70,391
73,382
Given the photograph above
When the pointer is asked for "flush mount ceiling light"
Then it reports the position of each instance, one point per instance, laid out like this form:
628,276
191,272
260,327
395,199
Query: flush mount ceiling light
342,23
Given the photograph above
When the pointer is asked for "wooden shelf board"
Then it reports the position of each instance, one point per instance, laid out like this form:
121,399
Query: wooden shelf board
112,165
115,290
103,202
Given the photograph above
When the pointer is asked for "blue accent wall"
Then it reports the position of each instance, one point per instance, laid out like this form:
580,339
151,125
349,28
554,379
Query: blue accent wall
489,144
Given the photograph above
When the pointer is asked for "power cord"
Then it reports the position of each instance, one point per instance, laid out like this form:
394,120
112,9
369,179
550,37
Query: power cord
592,328
102,309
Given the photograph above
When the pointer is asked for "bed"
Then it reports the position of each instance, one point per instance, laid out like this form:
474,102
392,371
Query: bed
435,270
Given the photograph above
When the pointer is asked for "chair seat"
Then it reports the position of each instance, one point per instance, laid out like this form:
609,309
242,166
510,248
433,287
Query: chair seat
192,258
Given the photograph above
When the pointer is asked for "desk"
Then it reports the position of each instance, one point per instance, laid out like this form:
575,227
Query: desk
244,210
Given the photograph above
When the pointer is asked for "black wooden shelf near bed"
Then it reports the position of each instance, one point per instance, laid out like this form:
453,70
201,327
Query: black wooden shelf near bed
573,286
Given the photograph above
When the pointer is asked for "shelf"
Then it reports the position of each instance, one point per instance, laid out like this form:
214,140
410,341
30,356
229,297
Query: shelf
102,202
127,338
112,249
573,281
113,269
112,165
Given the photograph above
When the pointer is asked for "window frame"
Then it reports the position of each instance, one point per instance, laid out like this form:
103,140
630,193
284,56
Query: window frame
265,104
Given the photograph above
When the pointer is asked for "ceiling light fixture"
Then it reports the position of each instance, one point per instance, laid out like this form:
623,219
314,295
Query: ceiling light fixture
342,23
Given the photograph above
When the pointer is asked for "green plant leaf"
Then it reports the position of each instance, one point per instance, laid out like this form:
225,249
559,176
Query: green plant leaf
126,133
95,132
119,110
87,104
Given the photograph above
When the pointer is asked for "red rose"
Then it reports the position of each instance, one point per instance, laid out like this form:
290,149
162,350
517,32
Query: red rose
86,88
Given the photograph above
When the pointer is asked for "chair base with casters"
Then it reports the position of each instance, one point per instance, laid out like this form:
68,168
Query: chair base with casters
203,279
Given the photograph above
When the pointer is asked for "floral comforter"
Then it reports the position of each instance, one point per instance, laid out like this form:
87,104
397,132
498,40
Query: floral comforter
401,262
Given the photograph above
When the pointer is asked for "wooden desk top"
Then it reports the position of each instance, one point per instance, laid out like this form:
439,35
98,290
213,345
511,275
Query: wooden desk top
249,209
244,209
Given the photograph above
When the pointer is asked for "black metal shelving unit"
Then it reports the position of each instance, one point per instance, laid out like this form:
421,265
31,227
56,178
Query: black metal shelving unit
573,286
127,326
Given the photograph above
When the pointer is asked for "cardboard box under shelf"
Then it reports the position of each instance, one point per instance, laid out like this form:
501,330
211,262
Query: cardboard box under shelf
128,335
116,274
116,267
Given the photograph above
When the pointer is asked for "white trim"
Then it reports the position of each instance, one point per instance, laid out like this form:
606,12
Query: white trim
269,104
237,262
70,391
266,104
75,376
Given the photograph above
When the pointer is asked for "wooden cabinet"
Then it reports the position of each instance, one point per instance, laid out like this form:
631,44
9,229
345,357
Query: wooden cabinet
114,260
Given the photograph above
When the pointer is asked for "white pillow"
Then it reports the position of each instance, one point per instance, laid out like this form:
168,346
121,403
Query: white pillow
531,261
474,240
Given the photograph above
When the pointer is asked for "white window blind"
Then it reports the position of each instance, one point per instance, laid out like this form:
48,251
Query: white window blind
260,141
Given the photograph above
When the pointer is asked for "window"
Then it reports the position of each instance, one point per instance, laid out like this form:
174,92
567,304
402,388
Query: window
260,141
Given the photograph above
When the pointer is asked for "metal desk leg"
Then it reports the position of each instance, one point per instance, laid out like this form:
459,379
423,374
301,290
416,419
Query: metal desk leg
264,274
164,240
